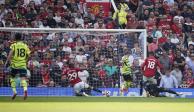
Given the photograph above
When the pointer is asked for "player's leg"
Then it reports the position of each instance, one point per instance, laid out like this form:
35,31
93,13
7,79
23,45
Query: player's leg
78,89
126,84
13,82
106,93
88,87
168,91
24,84
142,85
150,80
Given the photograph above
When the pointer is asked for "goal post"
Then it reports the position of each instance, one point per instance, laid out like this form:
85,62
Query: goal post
95,49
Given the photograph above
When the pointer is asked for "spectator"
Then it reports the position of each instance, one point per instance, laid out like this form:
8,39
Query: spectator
188,78
136,51
165,61
50,21
145,15
110,52
99,25
59,62
177,73
180,60
120,17
168,80
1,72
79,20
3,54
133,4
111,72
44,24
131,22
190,63
170,2
46,78
158,33
174,39
192,41
57,17
33,63
66,48
178,17
55,72
147,5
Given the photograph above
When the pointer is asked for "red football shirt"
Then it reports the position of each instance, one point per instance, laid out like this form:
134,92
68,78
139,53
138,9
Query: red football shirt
72,75
150,66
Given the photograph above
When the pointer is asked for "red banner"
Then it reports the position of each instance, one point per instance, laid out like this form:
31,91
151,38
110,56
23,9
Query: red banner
99,6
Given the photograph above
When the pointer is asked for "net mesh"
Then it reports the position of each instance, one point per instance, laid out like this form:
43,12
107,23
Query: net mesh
99,52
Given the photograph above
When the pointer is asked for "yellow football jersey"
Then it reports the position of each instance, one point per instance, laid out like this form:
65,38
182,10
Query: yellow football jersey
126,67
21,52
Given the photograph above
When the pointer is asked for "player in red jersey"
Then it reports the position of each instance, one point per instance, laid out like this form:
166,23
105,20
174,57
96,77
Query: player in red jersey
79,86
149,68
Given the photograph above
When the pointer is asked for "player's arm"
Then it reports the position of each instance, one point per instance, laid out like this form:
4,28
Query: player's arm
161,83
159,67
9,57
143,65
28,52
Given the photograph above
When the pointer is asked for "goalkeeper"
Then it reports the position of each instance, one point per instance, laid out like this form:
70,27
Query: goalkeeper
154,90
126,72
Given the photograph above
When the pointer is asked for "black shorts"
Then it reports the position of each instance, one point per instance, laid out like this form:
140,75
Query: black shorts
127,78
21,72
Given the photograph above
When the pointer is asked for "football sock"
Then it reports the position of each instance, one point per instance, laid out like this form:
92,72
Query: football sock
127,84
24,84
13,85
141,88
171,91
97,90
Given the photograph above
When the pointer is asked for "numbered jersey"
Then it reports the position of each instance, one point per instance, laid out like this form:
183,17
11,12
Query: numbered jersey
150,66
72,76
20,55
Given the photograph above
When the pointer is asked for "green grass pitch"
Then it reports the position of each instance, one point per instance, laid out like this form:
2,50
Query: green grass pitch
96,104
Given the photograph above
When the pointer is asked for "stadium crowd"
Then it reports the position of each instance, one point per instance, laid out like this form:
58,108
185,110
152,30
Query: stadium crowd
169,24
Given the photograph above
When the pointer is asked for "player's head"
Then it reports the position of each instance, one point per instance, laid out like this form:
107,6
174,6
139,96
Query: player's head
127,51
167,72
151,53
71,65
18,37
82,66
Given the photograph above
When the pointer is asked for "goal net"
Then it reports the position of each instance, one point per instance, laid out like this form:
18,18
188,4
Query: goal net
98,51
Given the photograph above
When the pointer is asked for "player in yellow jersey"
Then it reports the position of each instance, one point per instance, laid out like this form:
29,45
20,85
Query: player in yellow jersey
126,71
18,56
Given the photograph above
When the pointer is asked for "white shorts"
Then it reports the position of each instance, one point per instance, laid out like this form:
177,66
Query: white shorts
79,86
